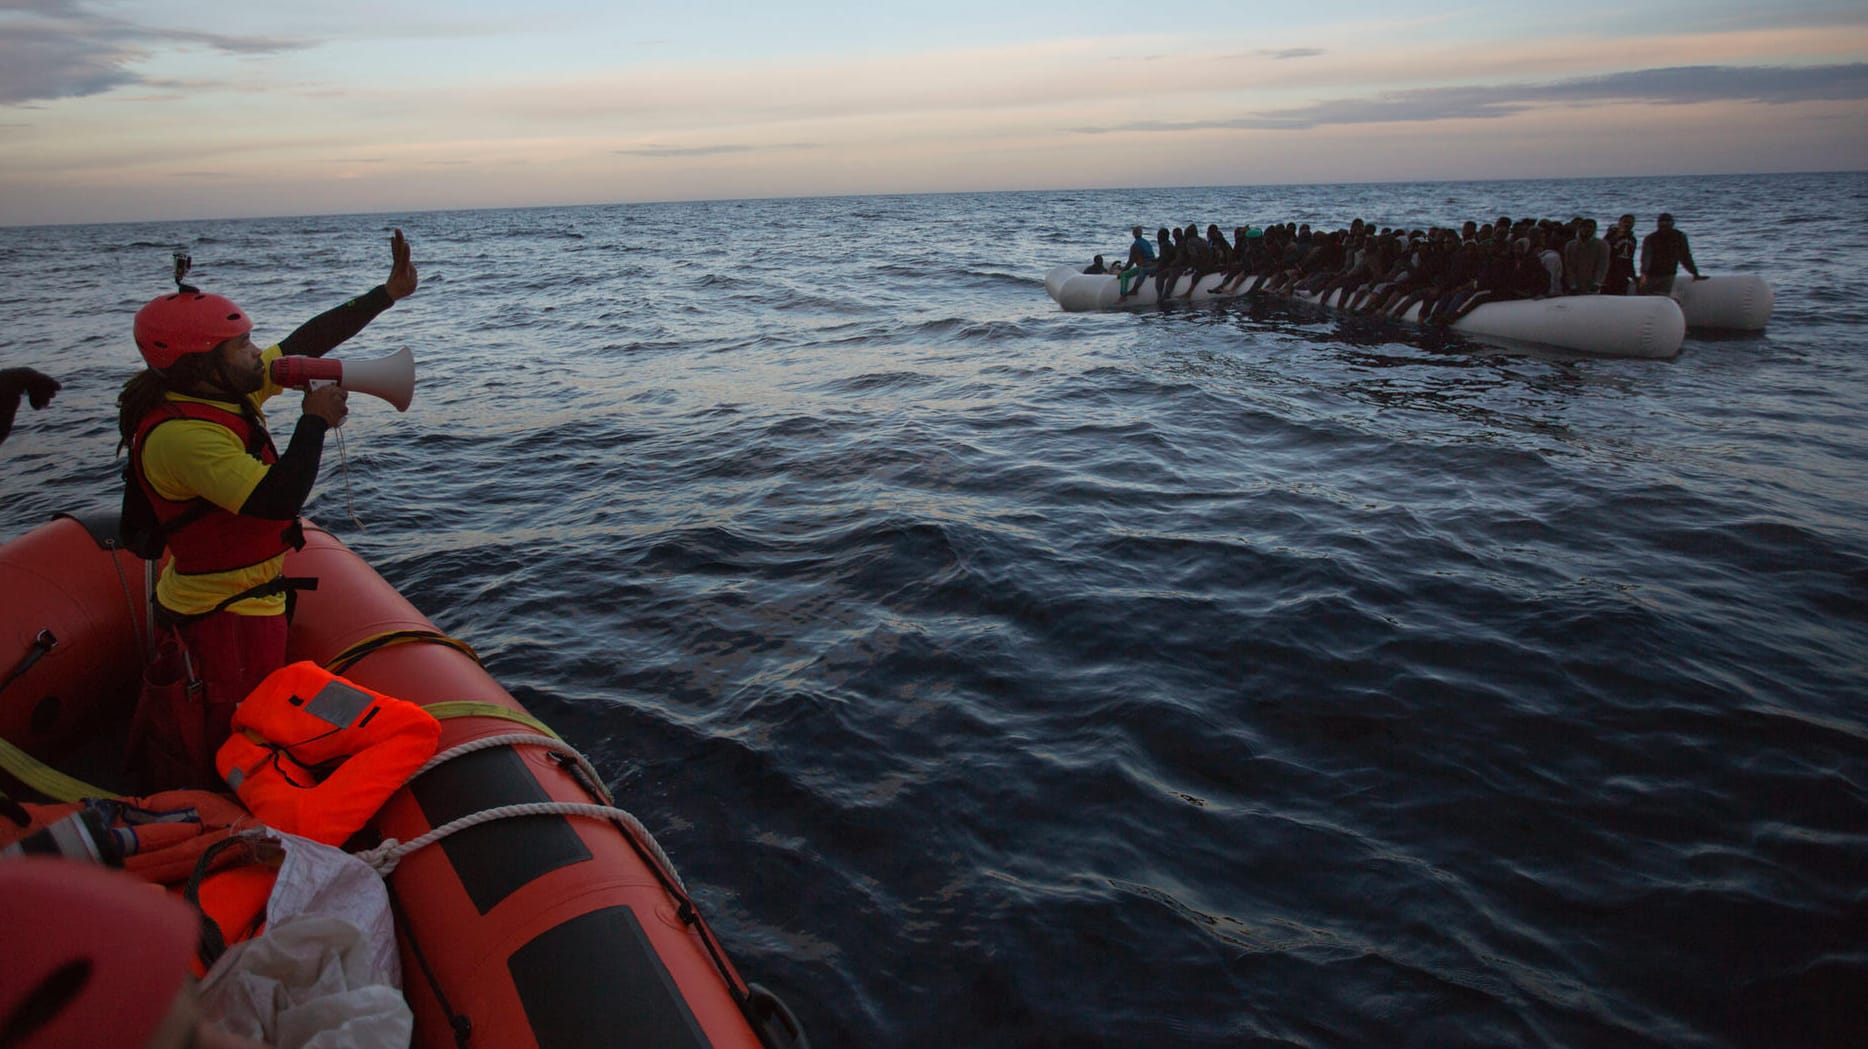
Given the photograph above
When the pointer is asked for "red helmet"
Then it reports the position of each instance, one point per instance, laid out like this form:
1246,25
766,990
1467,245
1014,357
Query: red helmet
93,956
172,326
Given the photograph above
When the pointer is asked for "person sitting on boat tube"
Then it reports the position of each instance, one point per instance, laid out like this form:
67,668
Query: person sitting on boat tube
1663,252
1141,263
1141,252
1197,258
205,480
1167,259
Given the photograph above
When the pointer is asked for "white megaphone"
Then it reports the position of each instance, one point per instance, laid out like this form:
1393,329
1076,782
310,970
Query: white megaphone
392,378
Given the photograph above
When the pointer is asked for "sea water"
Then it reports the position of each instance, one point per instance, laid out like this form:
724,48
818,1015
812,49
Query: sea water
1218,676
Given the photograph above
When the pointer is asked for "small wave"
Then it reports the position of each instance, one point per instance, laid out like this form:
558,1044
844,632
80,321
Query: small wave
525,233
871,382
968,330
1018,280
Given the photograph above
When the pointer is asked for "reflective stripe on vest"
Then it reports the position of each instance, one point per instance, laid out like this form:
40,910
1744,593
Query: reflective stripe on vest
204,537
316,755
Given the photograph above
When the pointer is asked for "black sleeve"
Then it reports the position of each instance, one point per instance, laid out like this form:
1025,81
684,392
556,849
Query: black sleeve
283,491
12,387
328,330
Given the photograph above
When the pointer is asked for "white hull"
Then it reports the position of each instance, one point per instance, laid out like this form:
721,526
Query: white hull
1610,325
1729,302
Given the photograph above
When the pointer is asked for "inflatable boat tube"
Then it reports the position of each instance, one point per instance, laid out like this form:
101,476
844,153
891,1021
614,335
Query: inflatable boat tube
1607,325
1728,302
542,929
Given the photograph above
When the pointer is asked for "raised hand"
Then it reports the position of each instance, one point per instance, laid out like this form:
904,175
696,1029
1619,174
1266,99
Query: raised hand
402,279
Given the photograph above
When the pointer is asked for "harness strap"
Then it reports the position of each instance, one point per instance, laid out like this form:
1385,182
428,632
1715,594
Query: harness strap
198,508
276,585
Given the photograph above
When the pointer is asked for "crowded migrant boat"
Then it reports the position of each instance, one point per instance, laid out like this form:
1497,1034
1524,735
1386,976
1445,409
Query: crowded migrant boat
1444,276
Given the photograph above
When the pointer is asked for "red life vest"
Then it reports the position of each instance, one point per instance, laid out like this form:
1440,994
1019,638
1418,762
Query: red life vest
202,536
315,755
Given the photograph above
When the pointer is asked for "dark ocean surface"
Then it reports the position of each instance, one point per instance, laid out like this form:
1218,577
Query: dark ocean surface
1221,676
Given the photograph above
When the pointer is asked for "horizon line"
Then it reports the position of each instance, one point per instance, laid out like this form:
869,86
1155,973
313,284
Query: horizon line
924,193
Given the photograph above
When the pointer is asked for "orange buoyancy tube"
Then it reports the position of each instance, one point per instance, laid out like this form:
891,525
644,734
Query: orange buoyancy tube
316,755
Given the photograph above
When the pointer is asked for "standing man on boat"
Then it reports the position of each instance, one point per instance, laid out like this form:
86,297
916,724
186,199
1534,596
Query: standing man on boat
1622,246
205,481
1663,252
1586,260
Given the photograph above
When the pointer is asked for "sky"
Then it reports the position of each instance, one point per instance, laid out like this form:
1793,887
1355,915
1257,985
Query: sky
119,110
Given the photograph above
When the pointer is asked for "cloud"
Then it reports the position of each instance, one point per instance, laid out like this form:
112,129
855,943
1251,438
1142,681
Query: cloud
38,62
237,45
712,151
1278,54
52,49
1684,85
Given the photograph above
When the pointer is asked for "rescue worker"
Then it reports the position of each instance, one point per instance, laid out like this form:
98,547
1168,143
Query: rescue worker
205,480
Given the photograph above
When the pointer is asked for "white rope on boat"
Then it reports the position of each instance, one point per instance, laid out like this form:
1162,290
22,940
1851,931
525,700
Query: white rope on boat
385,857
521,739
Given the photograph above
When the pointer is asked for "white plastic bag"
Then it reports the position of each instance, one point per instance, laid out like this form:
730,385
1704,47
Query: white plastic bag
324,974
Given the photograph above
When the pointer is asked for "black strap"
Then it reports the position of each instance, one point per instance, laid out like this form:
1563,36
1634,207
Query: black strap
293,534
283,584
213,938
461,1023
197,509
45,642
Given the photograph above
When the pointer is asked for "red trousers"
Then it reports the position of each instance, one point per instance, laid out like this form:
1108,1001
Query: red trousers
201,672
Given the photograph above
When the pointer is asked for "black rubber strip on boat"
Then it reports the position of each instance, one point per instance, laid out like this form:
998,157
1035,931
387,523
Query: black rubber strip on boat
496,859
595,982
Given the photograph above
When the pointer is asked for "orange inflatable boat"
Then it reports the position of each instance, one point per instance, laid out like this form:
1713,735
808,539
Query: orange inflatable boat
530,912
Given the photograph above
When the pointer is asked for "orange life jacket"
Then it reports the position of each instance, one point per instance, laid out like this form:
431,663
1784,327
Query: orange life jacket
159,836
316,755
163,839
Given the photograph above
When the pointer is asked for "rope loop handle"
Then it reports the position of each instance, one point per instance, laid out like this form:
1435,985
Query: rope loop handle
385,857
